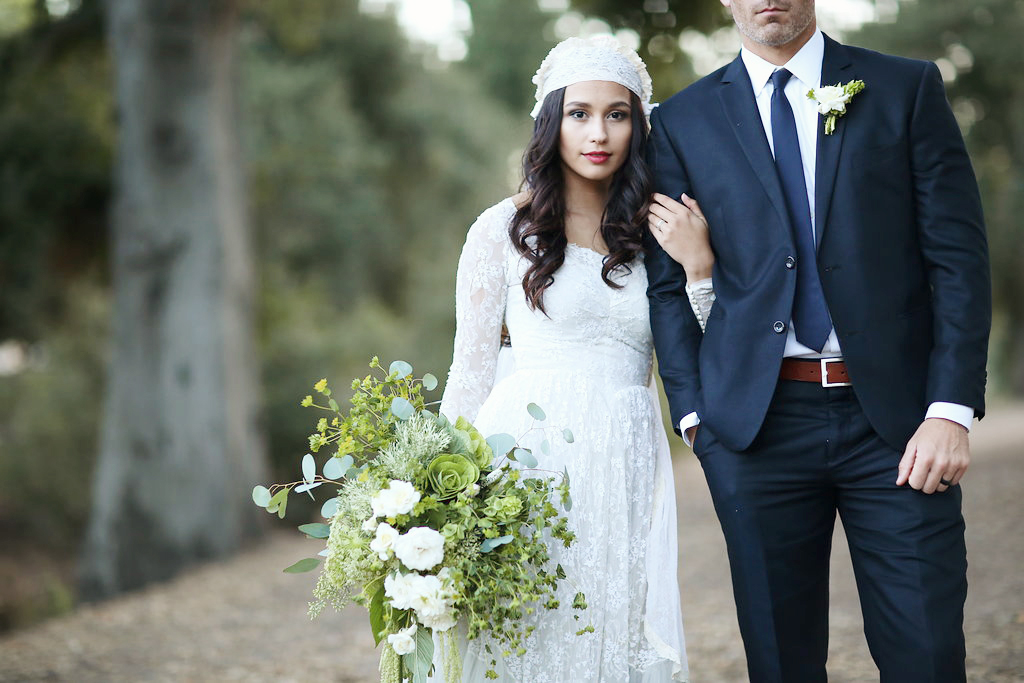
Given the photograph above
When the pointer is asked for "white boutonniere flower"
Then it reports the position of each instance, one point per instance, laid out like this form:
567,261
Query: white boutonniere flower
832,101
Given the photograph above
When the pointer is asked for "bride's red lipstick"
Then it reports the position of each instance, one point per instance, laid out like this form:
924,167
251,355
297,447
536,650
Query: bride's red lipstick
598,157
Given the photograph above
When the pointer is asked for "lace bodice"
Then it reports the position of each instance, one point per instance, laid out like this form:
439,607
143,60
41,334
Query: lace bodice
588,325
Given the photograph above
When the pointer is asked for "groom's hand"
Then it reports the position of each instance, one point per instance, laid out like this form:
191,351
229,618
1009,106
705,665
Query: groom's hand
938,450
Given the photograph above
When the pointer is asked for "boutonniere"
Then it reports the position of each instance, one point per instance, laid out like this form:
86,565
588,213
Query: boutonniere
832,101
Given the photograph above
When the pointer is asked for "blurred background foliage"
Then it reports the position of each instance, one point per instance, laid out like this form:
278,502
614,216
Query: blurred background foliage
367,157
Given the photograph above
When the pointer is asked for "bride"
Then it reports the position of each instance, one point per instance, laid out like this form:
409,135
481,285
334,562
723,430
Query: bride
562,266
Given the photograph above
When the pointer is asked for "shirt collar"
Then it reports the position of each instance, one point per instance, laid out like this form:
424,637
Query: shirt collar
805,65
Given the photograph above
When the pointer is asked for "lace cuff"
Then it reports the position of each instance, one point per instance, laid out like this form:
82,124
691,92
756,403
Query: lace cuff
701,295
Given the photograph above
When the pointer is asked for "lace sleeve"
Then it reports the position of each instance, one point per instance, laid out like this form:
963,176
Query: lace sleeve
481,289
701,296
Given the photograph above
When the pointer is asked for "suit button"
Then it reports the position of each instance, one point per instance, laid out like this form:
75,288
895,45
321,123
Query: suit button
779,327
790,262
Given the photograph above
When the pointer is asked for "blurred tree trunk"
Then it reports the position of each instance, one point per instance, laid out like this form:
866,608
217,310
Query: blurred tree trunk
179,448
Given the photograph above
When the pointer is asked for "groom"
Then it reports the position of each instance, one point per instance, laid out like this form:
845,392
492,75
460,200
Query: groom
844,358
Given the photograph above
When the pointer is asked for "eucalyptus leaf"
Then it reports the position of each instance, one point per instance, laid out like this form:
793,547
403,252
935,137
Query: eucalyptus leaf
302,566
567,503
308,468
324,553
490,544
401,408
527,458
567,435
429,382
535,412
316,530
261,496
303,488
335,468
400,369
329,508
333,404
545,447
501,444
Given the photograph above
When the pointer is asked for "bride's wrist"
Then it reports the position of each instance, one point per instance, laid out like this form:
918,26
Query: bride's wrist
700,268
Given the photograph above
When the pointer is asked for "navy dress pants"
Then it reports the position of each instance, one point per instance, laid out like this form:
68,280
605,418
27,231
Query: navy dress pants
816,455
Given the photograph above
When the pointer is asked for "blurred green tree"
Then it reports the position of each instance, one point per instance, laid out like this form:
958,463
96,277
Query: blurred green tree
659,23
977,47
179,444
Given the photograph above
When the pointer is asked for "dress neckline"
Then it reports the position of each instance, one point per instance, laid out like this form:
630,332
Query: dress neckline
580,247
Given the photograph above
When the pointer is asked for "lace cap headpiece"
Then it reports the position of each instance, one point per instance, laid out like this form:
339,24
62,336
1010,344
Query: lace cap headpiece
599,58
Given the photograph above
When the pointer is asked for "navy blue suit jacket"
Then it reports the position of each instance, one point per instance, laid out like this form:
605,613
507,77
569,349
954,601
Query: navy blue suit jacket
902,253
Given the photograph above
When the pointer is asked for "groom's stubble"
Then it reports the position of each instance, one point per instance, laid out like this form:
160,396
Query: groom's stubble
771,30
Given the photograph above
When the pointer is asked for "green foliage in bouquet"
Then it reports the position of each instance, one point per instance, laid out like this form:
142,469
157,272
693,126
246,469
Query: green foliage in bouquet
432,524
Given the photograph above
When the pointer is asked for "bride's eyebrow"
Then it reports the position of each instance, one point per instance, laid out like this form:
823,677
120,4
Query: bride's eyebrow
587,105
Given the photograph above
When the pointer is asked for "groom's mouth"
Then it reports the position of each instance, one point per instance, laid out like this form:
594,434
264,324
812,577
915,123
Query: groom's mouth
597,157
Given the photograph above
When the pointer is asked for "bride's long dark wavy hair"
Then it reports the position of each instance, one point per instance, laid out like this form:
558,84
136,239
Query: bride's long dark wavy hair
538,227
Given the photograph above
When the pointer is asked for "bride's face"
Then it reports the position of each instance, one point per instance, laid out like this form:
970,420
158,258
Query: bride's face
596,130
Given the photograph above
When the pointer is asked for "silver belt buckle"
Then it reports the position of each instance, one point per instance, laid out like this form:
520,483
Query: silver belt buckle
824,374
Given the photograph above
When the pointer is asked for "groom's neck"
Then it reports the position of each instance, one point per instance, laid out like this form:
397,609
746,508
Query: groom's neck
780,54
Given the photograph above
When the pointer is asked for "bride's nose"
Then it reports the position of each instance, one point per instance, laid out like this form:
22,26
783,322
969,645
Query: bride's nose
598,132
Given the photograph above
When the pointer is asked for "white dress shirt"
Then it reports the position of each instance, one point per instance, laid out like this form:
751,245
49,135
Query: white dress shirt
805,66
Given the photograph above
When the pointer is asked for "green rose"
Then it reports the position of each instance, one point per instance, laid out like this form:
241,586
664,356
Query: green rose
504,509
478,449
449,475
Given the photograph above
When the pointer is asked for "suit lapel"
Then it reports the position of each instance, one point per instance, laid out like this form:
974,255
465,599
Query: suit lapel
737,97
833,71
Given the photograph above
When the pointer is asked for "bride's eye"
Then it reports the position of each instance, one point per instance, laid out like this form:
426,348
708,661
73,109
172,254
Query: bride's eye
618,115
578,114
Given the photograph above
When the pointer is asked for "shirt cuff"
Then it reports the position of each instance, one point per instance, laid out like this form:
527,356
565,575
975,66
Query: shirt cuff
688,421
954,412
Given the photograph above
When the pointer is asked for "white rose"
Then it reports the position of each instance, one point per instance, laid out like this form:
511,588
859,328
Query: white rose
399,498
400,589
420,548
370,525
384,542
440,623
428,596
831,98
404,641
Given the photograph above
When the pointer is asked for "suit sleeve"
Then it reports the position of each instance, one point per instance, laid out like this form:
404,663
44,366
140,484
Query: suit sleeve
677,335
952,237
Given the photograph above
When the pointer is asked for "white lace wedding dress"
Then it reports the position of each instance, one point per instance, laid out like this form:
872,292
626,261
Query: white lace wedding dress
587,363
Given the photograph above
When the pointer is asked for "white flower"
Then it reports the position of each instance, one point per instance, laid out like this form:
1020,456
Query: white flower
831,98
404,641
398,499
420,548
370,525
384,542
429,598
473,490
440,622
401,589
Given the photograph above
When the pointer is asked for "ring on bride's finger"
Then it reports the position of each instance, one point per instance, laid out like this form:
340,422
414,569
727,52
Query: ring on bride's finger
660,223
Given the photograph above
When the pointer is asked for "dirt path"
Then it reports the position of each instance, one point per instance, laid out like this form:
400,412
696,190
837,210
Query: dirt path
245,620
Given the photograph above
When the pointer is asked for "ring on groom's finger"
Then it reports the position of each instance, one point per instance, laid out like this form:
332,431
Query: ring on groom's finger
943,480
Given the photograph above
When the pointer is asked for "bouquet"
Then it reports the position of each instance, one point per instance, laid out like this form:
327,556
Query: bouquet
431,524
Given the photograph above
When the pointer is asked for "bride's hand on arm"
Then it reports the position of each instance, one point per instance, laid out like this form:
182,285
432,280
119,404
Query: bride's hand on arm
682,231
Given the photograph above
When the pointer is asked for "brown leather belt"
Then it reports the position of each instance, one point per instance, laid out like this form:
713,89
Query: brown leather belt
828,372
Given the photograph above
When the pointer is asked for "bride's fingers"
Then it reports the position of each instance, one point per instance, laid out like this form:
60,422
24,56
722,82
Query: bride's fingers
693,206
666,202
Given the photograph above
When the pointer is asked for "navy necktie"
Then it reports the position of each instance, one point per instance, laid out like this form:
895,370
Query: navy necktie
810,314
